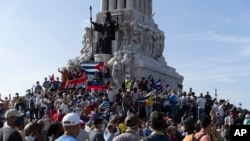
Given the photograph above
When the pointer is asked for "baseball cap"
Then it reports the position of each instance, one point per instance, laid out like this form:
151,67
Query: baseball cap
12,113
71,119
247,116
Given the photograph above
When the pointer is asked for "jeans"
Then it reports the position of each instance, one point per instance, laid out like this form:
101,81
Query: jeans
148,111
174,112
41,112
200,111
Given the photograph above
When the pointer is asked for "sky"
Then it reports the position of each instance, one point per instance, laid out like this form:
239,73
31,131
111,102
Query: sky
208,42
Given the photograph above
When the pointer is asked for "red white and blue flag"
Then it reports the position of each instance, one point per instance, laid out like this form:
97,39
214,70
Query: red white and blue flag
92,67
146,96
158,84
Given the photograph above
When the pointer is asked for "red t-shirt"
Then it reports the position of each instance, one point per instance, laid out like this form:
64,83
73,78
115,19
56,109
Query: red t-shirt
52,112
56,117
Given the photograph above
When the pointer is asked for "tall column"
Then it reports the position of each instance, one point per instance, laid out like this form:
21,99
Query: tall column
120,4
137,5
142,6
112,4
130,4
146,8
104,5
150,8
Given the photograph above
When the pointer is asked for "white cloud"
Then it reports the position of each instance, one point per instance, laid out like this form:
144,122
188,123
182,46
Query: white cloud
211,35
236,96
245,51
227,38
2,51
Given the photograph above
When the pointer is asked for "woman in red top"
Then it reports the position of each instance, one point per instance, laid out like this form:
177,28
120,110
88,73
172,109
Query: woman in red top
52,111
64,74
5,102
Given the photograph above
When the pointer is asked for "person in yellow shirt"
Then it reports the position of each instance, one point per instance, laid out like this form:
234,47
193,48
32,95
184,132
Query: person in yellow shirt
149,105
127,82
188,125
121,125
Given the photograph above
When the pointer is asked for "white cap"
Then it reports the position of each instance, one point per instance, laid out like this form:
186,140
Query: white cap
12,113
247,116
71,119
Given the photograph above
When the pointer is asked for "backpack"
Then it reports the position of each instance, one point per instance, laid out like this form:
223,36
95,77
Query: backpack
194,139
32,104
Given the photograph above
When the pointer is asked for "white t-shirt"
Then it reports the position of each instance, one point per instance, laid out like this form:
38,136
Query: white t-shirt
201,102
110,95
221,110
166,100
42,102
65,108
135,96
38,97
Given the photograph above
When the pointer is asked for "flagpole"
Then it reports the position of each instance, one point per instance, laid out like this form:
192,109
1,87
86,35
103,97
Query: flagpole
91,34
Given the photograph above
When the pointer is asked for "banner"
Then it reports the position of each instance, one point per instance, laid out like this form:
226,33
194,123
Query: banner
76,82
99,87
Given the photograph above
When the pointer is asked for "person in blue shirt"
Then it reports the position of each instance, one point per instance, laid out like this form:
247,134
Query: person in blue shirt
147,131
71,125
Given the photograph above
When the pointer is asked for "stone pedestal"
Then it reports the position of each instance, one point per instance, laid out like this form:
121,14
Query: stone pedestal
146,42
102,57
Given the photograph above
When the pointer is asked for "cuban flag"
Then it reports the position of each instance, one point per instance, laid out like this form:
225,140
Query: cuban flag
92,67
146,96
158,84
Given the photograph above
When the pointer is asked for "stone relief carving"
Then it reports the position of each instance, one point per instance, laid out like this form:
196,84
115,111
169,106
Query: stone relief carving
116,68
126,64
139,46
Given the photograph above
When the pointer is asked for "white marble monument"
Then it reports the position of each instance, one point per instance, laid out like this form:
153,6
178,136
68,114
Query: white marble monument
138,48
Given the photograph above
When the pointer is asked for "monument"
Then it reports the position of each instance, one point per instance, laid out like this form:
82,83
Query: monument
136,47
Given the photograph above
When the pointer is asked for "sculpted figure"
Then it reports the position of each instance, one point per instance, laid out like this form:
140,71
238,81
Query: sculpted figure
137,65
161,44
116,68
126,64
85,57
125,33
108,29
86,41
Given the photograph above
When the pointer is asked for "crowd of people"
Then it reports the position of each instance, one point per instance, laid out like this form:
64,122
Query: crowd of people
137,111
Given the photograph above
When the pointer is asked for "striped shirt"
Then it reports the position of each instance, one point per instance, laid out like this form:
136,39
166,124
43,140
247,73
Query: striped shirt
105,104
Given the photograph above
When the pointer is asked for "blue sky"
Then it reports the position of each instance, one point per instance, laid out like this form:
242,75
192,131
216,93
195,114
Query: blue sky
208,42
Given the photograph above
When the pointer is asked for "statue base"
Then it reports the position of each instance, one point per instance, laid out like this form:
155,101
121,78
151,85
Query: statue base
102,57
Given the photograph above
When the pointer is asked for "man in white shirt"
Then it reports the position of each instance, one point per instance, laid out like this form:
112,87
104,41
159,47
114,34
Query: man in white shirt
229,119
64,106
43,106
221,108
201,102
110,95
166,102
135,96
